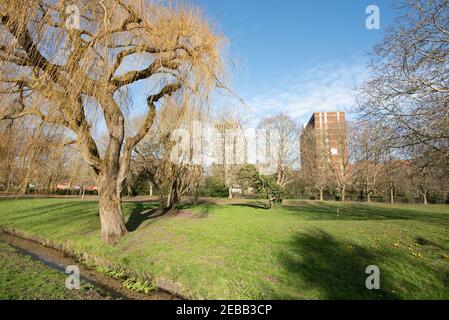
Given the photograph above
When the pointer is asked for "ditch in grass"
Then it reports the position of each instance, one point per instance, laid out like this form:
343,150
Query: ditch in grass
96,282
24,278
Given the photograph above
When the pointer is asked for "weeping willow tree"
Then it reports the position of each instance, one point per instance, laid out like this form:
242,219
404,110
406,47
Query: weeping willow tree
62,61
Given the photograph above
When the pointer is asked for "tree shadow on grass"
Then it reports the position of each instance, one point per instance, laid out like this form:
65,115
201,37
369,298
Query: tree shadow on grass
204,208
56,208
57,218
140,213
323,211
255,205
318,262
62,212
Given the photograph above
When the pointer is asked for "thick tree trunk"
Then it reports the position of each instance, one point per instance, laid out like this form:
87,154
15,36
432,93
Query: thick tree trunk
48,186
321,194
53,187
343,194
230,192
161,200
197,194
110,206
391,195
172,198
280,179
25,187
368,197
425,197
151,189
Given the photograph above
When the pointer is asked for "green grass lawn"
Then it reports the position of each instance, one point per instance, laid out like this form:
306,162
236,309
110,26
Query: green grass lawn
308,250
21,277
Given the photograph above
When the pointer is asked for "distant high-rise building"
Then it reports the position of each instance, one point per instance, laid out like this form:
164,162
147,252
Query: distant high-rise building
324,141
231,147
230,152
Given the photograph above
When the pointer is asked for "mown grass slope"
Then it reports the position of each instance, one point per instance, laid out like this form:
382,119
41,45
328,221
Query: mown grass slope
307,250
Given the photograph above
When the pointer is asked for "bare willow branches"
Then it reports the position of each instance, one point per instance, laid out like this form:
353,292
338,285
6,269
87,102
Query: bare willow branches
59,60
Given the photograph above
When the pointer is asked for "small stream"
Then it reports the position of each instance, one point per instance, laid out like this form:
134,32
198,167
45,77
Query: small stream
58,261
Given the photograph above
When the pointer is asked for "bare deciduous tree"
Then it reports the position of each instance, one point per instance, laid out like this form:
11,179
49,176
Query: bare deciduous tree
336,161
286,145
407,97
59,67
392,175
365,156
155,161
29,146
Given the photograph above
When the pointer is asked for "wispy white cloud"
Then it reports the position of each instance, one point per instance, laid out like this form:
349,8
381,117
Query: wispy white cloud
325,87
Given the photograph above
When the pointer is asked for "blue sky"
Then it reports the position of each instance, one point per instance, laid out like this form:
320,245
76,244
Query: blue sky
296,56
